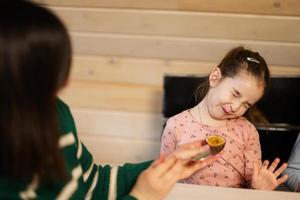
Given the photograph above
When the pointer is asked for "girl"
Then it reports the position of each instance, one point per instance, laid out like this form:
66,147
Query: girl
232,87
41,156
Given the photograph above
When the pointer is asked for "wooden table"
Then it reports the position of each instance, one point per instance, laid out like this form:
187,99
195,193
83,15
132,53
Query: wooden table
200,192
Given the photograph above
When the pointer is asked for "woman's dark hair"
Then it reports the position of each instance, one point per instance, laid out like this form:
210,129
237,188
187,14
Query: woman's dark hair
236,60
35,59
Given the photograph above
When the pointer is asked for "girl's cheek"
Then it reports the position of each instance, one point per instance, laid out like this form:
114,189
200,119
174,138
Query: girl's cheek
228,97
242,112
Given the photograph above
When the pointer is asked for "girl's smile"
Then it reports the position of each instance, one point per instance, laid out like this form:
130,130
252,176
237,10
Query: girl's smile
226,109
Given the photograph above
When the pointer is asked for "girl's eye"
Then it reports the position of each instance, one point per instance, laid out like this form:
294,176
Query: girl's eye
234,95
246,105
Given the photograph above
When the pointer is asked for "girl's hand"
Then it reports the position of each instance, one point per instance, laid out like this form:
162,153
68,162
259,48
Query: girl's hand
266,177
157,181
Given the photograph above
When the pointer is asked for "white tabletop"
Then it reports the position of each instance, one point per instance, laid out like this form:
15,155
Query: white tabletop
200,192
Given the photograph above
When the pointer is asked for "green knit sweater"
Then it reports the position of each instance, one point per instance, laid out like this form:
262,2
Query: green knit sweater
87,180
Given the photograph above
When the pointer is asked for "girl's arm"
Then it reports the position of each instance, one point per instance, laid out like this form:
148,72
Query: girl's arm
168,139
252,150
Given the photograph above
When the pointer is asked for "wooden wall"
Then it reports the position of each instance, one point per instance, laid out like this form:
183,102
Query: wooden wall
122,49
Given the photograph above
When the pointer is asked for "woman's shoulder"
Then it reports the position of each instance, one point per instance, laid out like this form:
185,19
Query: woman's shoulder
62,106
65,118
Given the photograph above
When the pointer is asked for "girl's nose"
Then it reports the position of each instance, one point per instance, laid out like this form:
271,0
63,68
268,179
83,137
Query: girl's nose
235,106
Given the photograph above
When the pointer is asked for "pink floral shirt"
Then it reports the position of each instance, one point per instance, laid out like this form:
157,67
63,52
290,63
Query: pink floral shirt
235,167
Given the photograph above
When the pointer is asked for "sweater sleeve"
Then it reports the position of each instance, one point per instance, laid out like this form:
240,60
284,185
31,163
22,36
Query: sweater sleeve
252,150
168,139
100,182
129,197
126,178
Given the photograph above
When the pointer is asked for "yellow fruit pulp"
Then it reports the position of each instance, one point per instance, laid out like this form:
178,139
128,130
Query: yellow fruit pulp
215,140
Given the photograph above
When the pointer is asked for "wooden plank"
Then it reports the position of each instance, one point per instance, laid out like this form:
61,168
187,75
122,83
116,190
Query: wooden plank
120,124
117,151
272,7
278,71
113,96
213,50
182,24
133,70
143,4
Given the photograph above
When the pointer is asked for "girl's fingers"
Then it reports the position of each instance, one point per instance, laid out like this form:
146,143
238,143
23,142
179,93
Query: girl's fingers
274,164
280,169
265,164
282,179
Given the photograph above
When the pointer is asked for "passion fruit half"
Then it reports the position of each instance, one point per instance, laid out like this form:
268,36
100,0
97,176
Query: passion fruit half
216,143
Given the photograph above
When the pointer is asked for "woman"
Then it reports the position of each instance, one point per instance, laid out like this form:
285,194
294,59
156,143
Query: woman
40,153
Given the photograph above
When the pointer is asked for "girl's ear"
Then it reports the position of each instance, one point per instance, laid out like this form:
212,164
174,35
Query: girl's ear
215,76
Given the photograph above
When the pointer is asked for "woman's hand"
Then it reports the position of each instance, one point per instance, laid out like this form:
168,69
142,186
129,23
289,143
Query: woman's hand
156,181
188,151
266,177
